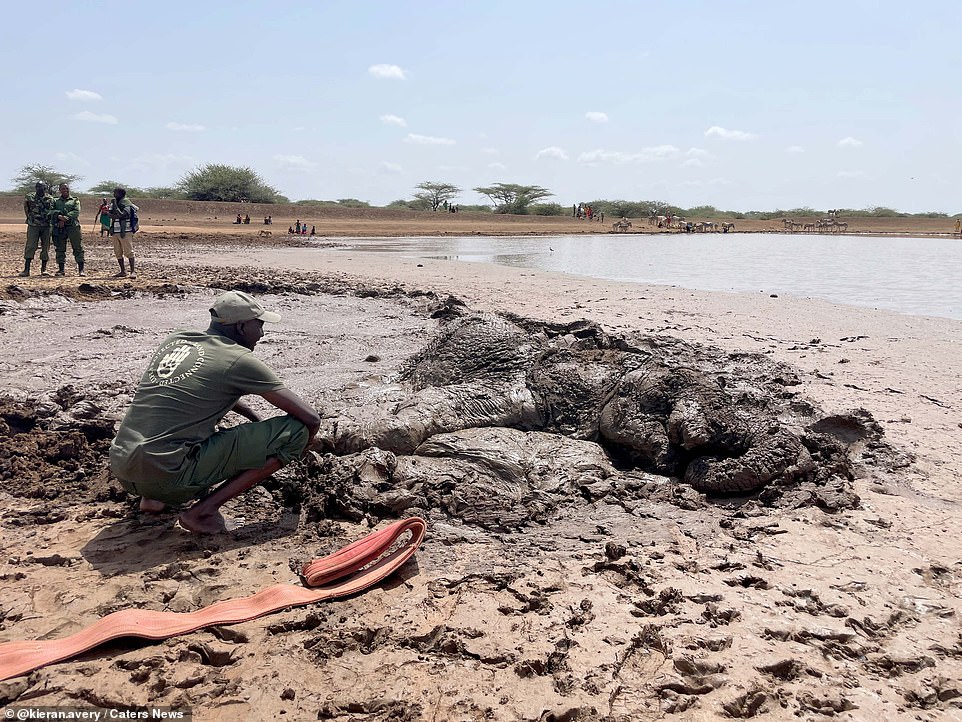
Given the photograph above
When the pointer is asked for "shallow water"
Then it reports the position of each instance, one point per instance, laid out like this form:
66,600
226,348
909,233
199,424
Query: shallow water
921,276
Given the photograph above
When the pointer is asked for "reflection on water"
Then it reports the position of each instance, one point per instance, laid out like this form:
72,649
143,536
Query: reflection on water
911,275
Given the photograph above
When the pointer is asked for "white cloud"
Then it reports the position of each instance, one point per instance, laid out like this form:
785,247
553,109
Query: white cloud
71,158
84,95
389,119
718,132
552,152
89,117
697,153
851,174
795,149
849,142
294,162
490,151
416,139
710,182
596,116
645,155
185,127
299,128
694,163
497,166
385,71
391,168
158,162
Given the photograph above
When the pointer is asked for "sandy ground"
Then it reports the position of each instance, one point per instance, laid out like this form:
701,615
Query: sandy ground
189,218
723,610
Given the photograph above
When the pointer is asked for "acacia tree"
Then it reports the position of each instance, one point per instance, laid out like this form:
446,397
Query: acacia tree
513,198
30,175
434,194
217,182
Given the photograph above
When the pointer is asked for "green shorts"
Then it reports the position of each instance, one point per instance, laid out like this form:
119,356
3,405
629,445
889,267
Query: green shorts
226,454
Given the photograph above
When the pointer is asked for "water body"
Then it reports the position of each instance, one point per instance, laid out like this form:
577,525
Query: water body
921,276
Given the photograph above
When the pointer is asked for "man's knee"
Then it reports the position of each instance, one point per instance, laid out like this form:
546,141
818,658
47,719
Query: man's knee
290,441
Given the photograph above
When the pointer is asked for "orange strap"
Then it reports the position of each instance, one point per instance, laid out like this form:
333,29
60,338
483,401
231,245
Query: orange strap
347,571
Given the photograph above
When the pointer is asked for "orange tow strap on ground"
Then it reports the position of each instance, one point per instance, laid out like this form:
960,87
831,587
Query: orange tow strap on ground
347,571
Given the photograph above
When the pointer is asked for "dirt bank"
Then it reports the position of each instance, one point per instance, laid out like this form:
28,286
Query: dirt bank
195,216
608,608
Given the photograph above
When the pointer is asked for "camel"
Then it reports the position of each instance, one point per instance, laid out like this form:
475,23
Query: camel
621,226
264,233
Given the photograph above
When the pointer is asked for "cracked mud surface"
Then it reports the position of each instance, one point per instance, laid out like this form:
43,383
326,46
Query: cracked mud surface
600,591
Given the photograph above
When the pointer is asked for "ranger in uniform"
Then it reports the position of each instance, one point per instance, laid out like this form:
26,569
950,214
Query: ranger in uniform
65,219
37,207
167,449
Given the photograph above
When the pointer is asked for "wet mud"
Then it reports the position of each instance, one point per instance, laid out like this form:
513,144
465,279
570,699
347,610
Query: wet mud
573,570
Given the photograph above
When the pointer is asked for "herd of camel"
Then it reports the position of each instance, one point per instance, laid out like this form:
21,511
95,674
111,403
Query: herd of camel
677,222
831,224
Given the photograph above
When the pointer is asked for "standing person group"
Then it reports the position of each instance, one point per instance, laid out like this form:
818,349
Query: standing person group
59,217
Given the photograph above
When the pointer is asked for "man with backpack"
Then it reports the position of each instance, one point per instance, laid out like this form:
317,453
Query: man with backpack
123,215
65,220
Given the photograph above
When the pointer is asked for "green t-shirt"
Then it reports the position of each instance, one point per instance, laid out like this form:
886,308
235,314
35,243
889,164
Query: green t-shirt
192,381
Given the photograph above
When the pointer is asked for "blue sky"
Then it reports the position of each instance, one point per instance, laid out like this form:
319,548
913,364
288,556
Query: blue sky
741,105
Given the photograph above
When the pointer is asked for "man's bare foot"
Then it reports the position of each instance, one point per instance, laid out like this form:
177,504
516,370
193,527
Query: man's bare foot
195,523
152,506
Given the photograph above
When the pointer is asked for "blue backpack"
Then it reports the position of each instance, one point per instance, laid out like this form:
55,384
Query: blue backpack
128,223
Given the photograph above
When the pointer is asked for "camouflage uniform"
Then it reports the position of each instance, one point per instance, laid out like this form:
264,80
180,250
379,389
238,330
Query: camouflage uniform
69,229
37,210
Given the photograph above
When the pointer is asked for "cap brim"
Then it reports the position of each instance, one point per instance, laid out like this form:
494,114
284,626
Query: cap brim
270,317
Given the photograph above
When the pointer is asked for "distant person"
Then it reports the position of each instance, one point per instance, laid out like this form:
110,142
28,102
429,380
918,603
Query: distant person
168,449
270,220
122,230
297,227
237,221
958,226
103,216
290,230
36,208
247,220
266,222
312,231
65,222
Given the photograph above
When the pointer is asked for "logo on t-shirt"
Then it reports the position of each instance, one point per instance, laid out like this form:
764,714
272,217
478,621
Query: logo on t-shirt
176,361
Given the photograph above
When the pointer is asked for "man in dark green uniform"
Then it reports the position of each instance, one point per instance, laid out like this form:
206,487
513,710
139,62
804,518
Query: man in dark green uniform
167,449
36,208
65,220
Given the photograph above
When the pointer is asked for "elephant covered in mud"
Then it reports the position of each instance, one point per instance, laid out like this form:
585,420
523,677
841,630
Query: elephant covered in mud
717,423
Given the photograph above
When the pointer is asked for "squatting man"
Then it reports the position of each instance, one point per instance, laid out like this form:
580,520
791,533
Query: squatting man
167,450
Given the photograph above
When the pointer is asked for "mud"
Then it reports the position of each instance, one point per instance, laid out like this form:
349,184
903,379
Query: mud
564,577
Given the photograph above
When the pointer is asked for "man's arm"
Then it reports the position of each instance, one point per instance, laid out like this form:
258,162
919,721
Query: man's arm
246,411
289,402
